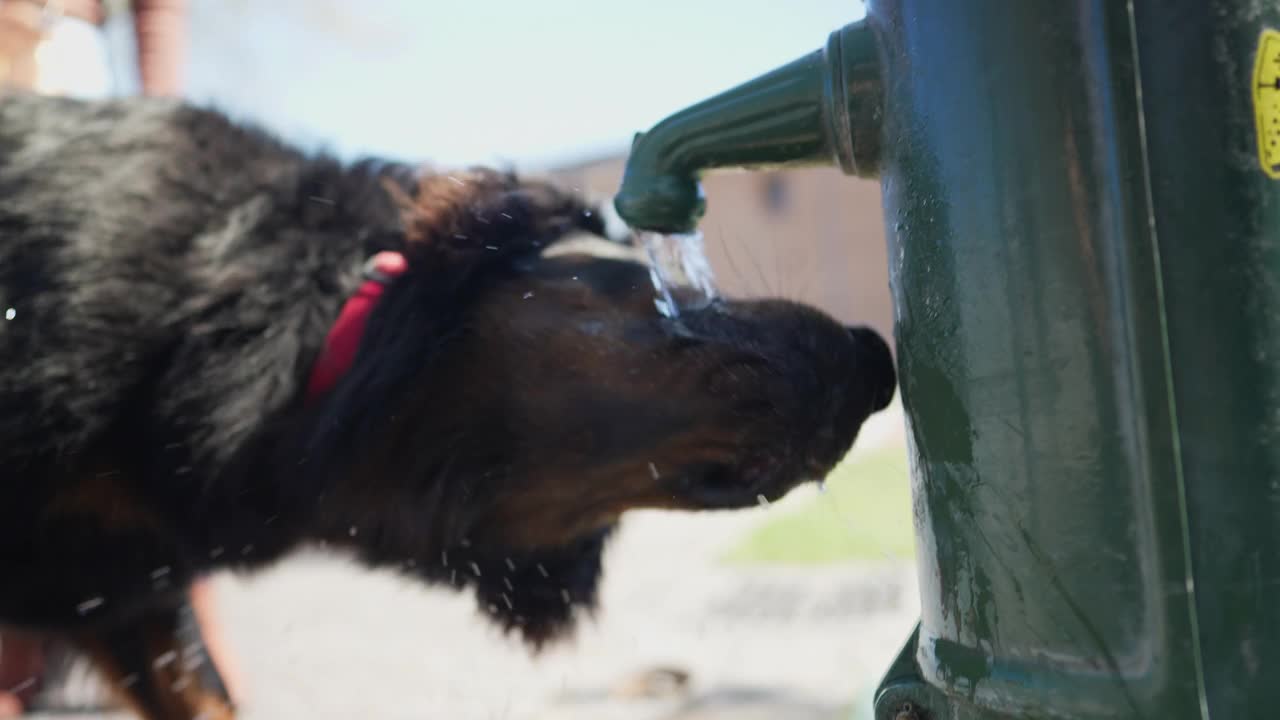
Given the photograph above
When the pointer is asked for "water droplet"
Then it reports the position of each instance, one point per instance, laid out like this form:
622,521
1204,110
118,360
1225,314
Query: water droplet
160,572
129,680
564,595
453,577
543,571
762,500
444,558
653,470
246,549
29,682
528,295
90,605
165,659
475,569
575,277
507,600
822,486
215,553
507,581
507,217
459,236
10,314
491,247
180,684
456,181
493,608
464,542
352,532
411,563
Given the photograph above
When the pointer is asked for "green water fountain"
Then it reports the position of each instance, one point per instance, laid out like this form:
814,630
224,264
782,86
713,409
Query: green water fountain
1083,212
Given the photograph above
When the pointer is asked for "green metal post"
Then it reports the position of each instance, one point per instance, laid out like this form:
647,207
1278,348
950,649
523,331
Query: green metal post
1083,199
1211,95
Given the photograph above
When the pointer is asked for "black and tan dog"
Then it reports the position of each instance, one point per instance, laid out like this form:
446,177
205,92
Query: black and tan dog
195,374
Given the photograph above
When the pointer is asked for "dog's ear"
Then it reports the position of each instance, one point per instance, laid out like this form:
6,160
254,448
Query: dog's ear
482,215
540,595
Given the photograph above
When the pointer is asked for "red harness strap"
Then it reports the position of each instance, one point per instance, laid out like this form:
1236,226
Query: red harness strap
343,340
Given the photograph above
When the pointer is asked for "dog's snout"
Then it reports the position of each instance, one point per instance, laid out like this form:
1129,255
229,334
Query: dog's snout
875,365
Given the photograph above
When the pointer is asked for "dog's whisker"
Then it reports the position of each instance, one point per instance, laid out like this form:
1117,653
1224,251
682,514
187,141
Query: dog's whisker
727,252
755,262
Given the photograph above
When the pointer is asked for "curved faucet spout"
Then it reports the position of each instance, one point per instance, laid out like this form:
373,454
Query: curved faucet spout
822,109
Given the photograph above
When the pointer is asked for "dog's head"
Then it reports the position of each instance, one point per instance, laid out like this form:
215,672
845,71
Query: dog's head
514,396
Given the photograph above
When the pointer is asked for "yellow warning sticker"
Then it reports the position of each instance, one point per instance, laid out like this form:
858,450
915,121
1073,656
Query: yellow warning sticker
1266,101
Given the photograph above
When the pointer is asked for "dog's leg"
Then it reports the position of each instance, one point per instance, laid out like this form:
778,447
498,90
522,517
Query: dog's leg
157,662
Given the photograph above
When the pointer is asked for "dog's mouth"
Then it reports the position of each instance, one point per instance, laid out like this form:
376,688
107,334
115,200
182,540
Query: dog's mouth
724,486
755,481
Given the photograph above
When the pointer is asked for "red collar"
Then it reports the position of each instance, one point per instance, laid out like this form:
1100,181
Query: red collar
344,337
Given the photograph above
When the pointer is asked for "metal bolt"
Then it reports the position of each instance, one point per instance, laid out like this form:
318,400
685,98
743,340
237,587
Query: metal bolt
909,711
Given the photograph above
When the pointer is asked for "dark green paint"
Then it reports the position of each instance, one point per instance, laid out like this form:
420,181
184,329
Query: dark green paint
1085,262
1034,365
1218,220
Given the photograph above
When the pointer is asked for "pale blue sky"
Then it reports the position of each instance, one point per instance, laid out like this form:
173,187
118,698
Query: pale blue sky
488,80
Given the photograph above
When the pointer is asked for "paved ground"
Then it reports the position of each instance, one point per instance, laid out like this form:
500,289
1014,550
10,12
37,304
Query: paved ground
321,640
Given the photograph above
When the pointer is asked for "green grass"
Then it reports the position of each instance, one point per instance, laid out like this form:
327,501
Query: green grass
865,514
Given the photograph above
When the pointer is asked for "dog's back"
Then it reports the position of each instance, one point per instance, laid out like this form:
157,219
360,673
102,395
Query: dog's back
165,277
135,234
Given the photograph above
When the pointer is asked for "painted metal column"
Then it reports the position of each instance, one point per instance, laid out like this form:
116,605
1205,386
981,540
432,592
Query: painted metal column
1085,260
1211,95
1083,204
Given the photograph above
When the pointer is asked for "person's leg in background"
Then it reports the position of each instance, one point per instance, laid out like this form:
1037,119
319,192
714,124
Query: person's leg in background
21,662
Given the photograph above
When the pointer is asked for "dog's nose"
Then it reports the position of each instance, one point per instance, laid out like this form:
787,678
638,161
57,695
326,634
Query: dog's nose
875,365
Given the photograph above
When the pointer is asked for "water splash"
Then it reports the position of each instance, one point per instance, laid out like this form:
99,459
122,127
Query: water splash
164,659
678,265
